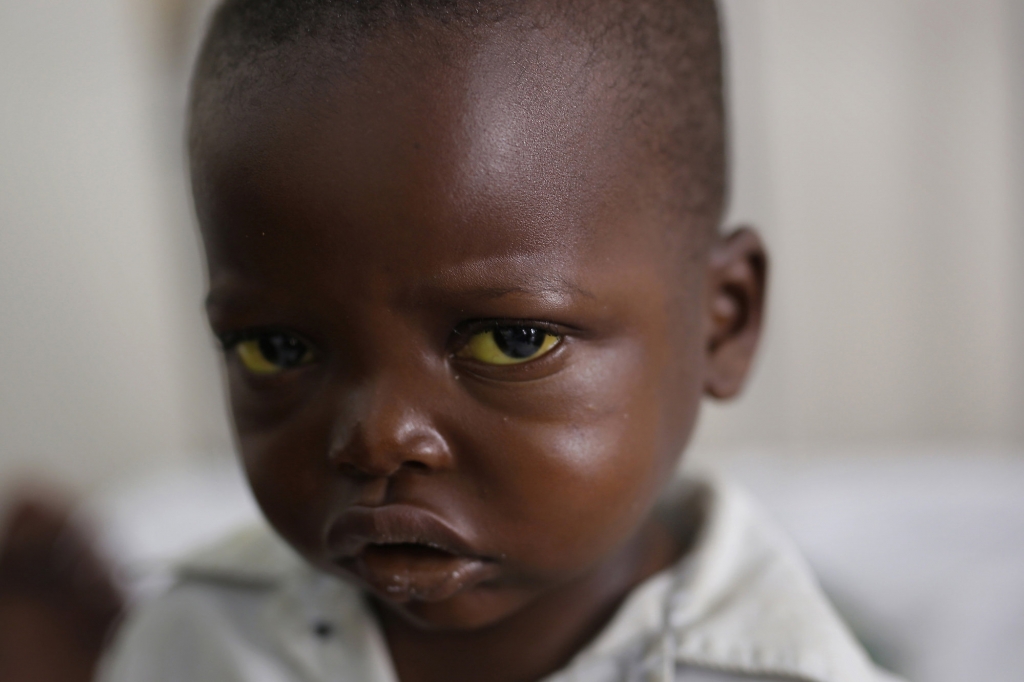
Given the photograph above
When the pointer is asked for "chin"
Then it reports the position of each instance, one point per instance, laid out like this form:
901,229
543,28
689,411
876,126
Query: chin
473,609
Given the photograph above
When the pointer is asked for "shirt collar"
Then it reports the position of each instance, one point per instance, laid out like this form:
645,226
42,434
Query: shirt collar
741,599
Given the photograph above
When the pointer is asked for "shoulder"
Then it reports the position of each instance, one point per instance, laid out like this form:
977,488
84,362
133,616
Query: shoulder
740,605
745,600
252,556
217,621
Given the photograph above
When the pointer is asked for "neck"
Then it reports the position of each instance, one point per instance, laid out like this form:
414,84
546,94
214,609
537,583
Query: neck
538,639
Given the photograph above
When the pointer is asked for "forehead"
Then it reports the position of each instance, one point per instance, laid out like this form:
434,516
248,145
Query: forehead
490,145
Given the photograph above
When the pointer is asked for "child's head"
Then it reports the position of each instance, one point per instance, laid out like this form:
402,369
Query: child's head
464,257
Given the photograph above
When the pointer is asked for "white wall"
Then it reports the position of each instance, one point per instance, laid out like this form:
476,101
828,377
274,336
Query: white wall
95,373
876,148
877,145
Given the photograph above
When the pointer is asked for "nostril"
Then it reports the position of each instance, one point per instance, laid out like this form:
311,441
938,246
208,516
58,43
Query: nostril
354,472
415,465
363,471
381,447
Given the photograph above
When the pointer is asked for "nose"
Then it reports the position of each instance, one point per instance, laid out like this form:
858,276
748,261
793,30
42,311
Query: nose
388,426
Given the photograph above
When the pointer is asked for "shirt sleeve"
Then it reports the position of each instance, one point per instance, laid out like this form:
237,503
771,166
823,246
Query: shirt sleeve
692,674
191,634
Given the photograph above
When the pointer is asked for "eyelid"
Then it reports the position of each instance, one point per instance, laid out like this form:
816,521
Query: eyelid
464,334
465,330
530,370
228,340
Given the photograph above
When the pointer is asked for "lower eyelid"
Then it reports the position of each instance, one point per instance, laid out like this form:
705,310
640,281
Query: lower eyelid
536,369
465,352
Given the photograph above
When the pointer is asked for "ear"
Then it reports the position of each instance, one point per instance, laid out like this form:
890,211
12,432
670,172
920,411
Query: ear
737,281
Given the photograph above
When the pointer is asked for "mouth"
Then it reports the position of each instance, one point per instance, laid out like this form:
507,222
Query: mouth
405,554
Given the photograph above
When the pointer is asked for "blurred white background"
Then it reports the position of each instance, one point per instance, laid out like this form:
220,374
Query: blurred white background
878,145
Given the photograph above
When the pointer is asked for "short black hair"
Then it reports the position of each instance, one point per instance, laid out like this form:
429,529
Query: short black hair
670,49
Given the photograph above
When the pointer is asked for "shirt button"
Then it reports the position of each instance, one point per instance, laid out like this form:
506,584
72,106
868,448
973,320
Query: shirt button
323,629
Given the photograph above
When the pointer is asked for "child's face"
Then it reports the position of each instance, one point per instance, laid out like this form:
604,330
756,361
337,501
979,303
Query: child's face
466,348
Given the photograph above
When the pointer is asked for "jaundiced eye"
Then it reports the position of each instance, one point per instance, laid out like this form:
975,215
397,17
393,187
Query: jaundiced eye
268,353
509,345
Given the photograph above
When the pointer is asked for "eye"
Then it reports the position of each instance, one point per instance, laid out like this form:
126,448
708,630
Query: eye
508,345
267,353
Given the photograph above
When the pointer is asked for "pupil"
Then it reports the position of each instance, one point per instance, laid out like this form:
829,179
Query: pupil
282,350
519,342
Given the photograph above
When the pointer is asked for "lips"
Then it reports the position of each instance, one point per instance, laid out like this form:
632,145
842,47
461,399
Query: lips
405,553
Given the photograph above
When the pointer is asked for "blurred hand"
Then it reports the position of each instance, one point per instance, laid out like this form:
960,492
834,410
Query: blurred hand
58,601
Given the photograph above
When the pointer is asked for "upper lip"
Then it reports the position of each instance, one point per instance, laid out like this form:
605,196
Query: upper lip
358,527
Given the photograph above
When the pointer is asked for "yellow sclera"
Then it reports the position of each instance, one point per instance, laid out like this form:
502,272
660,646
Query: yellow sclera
483,347
254,360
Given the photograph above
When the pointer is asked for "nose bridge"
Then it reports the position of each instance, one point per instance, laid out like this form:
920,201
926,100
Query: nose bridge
389,421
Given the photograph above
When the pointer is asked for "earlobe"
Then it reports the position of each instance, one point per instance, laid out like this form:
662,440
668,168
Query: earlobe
734,311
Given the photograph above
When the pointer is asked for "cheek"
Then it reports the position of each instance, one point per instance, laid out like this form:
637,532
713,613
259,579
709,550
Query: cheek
284,452
573,463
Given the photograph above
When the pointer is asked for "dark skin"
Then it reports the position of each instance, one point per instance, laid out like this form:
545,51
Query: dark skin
382,225
368,246
58,602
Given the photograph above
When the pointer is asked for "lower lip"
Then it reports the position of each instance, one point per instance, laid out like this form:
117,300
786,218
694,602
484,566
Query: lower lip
403,573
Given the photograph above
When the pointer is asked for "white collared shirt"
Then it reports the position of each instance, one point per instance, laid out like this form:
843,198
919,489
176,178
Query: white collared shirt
741,605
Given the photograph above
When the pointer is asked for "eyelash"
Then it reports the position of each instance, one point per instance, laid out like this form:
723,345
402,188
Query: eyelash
466,330
460,334
230,340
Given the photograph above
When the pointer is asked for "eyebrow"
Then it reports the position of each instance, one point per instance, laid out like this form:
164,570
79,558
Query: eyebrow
481,279
231,293
544,291
221,291
485,279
